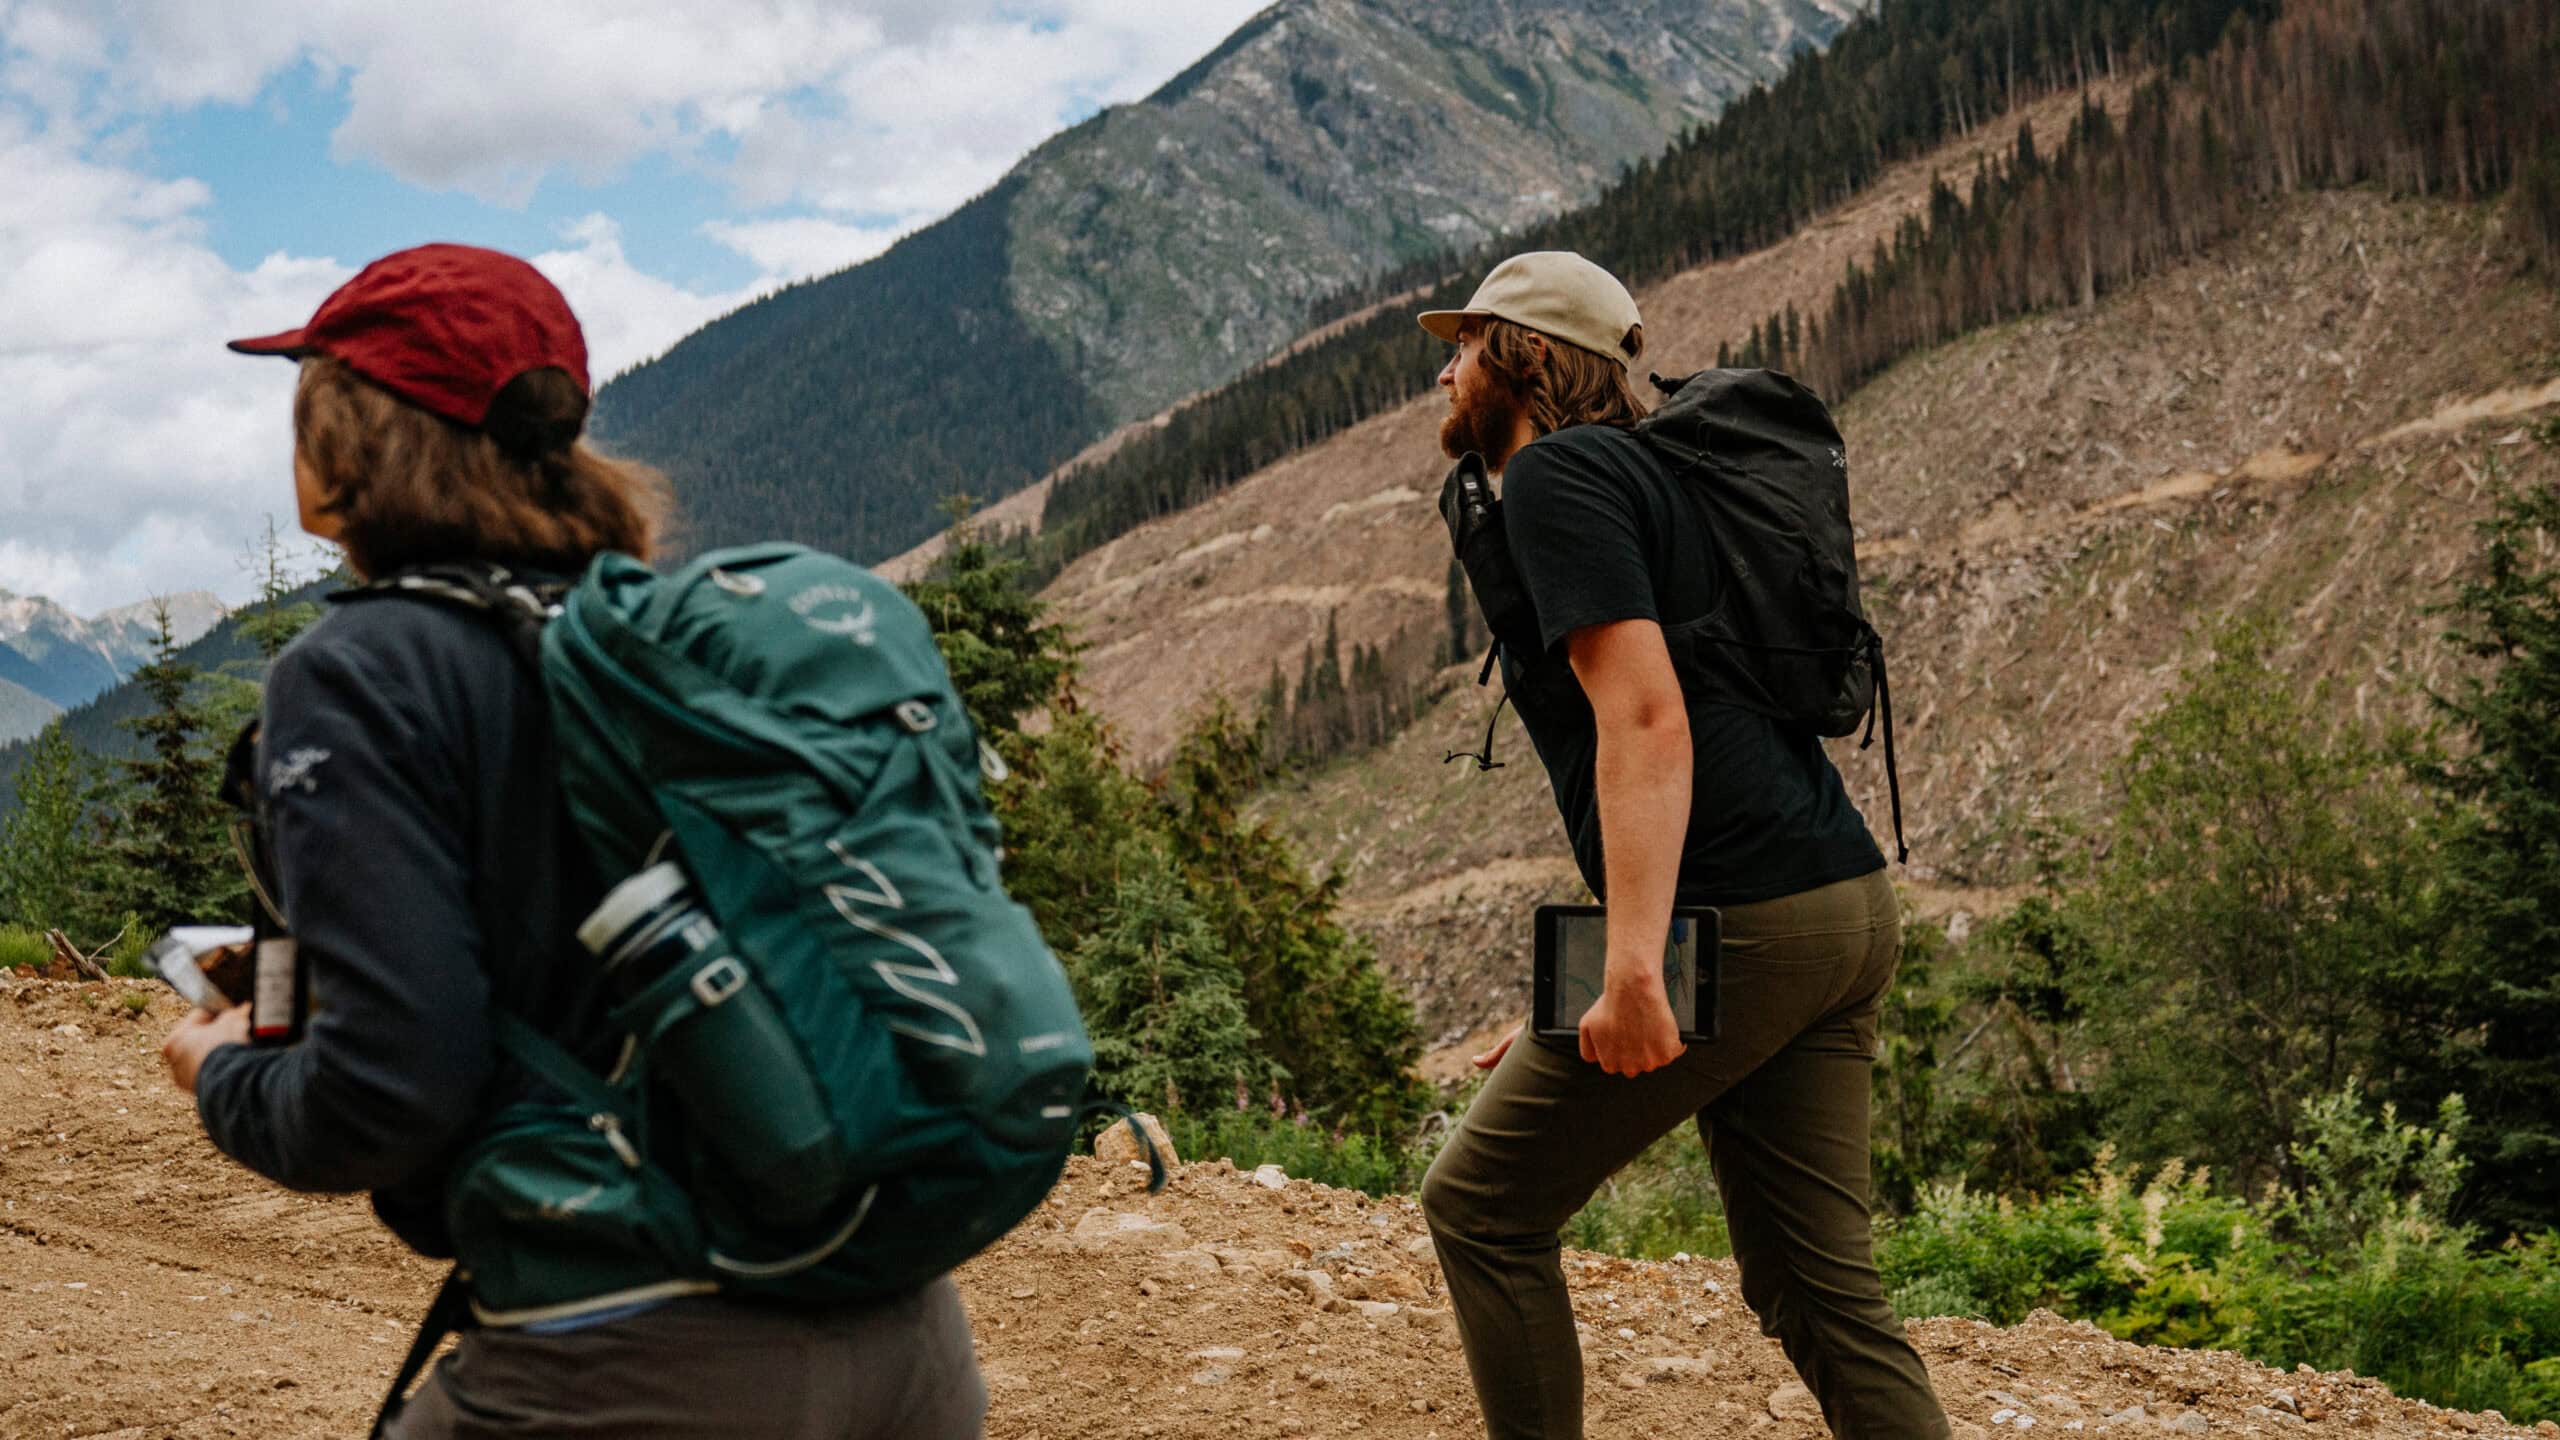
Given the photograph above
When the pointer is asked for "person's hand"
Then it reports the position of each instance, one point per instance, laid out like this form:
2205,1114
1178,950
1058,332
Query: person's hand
200,1035
1501,1047
1631,1030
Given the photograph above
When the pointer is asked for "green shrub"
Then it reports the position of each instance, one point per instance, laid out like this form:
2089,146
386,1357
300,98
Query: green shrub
124,957
1256,1136
2357,1269
1662,1204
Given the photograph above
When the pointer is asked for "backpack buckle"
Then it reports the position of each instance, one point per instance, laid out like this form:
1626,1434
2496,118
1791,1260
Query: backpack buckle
719,980
917,716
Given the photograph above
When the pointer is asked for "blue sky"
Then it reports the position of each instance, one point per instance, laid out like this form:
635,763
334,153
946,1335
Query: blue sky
184,172
278,188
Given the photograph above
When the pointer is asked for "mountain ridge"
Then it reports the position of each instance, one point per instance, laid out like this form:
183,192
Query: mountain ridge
1160,247
50,655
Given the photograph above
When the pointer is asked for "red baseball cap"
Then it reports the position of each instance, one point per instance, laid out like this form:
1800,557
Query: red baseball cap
444,327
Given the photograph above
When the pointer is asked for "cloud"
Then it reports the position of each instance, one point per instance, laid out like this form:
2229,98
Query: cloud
138,457
868,106
136,454
804,245
628,314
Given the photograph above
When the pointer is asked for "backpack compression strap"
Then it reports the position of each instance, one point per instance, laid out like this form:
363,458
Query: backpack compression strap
1892,775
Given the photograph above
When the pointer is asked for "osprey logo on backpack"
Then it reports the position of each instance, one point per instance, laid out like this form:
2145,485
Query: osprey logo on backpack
860,626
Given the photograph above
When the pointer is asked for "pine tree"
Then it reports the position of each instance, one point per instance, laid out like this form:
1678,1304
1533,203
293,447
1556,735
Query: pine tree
1162,998
1324,1010
2505,864
271,621
45,850
168,845
1007,658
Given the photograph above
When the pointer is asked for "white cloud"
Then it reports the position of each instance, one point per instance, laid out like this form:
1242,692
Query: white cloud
628,314
137,456
870,106
803,245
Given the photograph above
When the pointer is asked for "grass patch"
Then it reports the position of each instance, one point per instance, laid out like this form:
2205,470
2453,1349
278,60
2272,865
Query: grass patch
1375,1165
21,946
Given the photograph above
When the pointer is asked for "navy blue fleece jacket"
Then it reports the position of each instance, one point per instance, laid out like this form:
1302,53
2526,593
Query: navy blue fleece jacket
404,776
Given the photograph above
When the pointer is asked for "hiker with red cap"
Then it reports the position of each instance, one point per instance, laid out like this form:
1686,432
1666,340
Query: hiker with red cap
420,879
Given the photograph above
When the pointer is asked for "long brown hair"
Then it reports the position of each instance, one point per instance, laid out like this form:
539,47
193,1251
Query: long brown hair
1572,387
409,487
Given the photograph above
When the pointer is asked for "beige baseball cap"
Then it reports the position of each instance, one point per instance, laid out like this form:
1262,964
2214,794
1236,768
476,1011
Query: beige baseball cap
1554,292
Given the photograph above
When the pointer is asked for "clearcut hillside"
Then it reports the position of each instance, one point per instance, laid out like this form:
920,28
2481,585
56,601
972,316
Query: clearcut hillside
2302,421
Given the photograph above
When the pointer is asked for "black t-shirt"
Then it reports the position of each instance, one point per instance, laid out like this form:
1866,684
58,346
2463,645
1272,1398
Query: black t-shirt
1602,531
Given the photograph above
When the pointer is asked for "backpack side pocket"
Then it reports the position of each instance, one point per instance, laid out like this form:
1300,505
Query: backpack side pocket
555,1214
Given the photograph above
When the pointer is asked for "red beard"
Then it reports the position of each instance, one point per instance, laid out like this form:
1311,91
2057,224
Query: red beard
1482,420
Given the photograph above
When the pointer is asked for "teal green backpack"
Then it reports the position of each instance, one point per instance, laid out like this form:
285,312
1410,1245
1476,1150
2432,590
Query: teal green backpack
779,722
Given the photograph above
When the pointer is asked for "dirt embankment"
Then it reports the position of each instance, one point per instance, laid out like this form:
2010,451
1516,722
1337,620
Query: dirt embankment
150,1289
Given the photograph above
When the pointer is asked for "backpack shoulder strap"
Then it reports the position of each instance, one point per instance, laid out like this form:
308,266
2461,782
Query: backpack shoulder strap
448,1314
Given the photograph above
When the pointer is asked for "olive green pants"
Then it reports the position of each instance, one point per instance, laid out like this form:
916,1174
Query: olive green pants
1780,1096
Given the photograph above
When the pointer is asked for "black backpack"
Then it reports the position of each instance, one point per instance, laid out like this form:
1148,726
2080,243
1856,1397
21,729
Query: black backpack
1789,638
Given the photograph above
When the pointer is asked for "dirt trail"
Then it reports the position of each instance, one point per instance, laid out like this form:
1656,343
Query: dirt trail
150,1289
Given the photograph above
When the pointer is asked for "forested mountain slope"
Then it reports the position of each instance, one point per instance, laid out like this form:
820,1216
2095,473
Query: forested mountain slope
1211,598
1159,248
1893,85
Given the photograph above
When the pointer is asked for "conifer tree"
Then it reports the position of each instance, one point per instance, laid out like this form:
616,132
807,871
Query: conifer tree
1162,998
1324,1010
1007,657
2505,864
168,848
271,621
45,847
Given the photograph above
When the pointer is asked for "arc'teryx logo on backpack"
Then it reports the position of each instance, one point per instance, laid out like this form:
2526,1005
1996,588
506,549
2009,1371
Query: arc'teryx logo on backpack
907,980
860,625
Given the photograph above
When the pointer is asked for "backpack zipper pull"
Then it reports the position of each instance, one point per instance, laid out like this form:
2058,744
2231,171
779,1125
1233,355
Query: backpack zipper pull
611,1129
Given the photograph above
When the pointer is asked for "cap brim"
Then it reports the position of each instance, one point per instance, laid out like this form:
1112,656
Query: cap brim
1444,323
288,343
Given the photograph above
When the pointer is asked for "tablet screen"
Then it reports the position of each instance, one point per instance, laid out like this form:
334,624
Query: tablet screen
1582,961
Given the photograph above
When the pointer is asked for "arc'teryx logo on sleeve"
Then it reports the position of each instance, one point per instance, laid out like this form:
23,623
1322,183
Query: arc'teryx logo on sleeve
295,771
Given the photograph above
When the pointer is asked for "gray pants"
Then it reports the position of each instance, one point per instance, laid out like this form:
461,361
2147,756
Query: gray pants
705,1368
1781,1100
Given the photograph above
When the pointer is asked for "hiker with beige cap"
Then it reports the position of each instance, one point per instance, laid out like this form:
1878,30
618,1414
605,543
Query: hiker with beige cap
1598,567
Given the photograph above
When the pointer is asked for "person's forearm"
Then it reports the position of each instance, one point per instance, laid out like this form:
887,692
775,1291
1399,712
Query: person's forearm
1642,775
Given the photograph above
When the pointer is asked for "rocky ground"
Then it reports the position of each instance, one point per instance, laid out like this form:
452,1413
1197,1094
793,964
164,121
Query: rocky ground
149,1288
